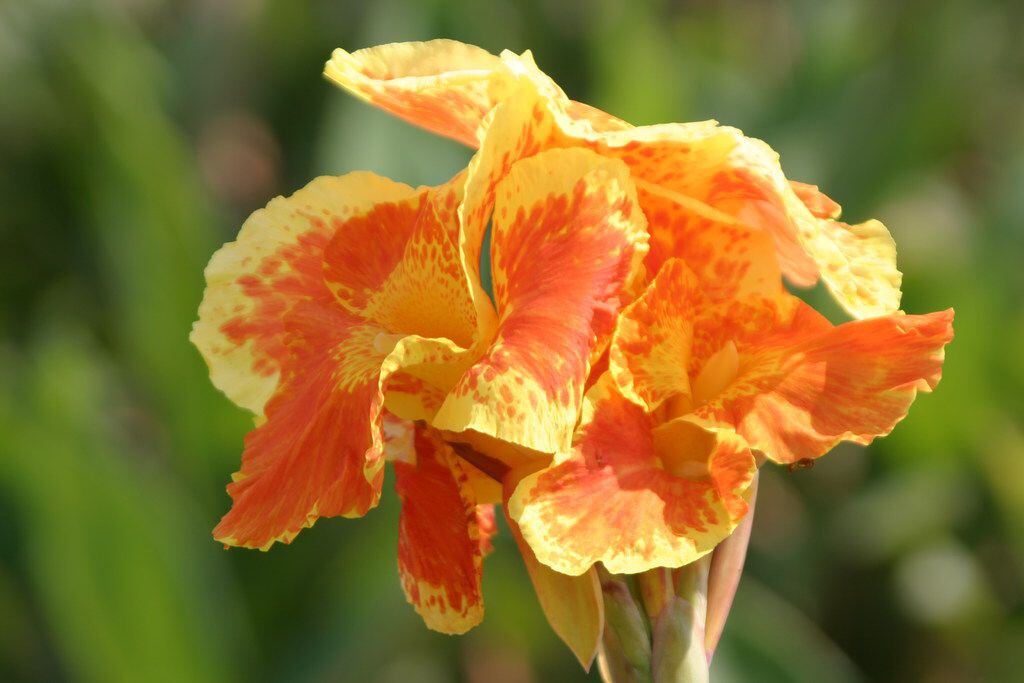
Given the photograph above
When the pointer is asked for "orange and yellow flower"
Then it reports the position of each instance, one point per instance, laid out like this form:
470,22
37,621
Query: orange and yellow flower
638,359
350,302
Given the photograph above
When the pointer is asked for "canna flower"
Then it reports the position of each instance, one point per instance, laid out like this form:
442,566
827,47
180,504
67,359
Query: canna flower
692,172
706,370
346,319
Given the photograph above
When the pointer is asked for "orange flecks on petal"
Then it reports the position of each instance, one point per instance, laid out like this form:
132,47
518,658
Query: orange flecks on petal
809,385
399,267
856,263
275,264
729,258
817,202
307,459
628,499
444,86
653,341
347,294
568,238
666,339
440,546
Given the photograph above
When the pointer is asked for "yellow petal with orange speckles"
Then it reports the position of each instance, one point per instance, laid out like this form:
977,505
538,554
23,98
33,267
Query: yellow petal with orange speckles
274,264
652,354
856,263
568,237
444,86
352,292
440,546
629,496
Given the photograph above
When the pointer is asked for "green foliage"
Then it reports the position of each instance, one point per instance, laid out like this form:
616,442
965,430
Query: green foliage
136,136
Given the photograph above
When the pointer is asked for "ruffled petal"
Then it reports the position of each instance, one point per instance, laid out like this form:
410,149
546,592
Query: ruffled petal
440,547
809,385
444,86
697,261
856,263
568,238
306,460
817,202
273,265
352,292
399,267
631,497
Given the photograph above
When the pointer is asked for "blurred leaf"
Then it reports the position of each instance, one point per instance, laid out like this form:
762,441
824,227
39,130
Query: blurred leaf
114,551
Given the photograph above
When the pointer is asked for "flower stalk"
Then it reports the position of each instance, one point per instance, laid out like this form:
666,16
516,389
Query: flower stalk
666,631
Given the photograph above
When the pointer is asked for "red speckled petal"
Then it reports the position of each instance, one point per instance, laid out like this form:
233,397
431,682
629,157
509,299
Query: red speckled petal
631,498
444,86
568,238
307,459
399,267
809,385
346,294
275,264
440,545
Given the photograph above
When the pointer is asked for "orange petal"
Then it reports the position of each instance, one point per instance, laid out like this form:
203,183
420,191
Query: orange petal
568,238
345,329
519,127
809,385
630,497
654,351
666,342
444,86
717,174
856,263
275,263
440,556
399,267
816,201
703,170
307,459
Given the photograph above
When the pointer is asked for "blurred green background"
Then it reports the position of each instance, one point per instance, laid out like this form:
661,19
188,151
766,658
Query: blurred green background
136,135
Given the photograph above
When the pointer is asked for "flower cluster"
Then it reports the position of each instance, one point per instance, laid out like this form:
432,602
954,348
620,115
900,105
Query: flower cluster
636,360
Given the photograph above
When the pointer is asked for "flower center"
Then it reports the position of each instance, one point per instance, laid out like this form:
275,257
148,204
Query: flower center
718,373
684,448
